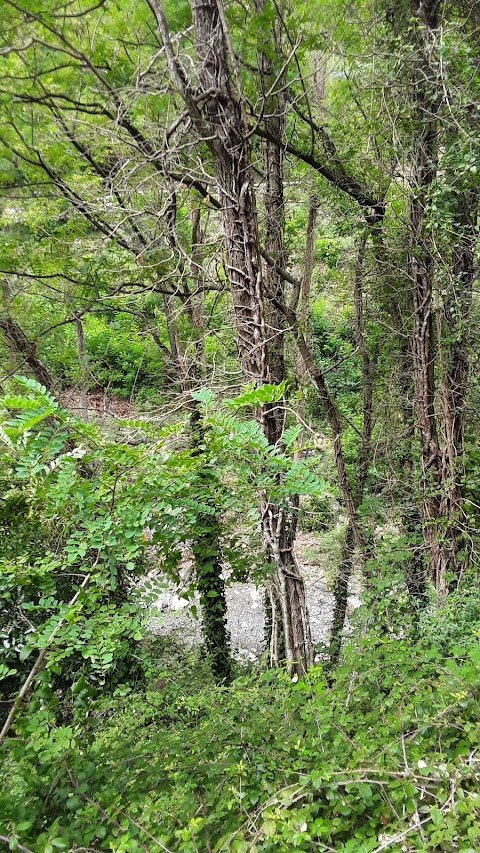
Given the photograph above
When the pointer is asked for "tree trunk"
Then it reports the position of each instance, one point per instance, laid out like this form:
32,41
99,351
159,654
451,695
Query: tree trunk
198,295
206,544
229,142
225,117
175,348
340,596
442,491
82,360
345,569
422,268
289,626
415,570
333,417
411,511
208,563
221,122
453,388
274,226
303,297
26,350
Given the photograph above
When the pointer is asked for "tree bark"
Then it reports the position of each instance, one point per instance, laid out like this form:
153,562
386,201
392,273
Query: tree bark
289,626
26,349
455,368
415,570
440,456
198,295
411,510
303,296
82,360
274,226
224,126
206,546
422,270
333,417
345,568
207,554
228,139
340,596
206,543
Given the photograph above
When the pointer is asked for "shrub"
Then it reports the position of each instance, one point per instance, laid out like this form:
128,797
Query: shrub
388,750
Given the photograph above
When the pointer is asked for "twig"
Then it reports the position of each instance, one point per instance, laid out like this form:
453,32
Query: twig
24,690
18,846
416,825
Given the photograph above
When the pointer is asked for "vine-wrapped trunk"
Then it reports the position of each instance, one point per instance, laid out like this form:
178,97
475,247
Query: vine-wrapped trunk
453,387
289,628
207,554
399,304
225,124
345,568
437,531
206,541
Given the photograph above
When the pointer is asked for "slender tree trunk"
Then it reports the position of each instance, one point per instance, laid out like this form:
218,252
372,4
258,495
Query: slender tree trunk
345,568
208,563
227,131
340,596
198,295
333,417
438,531
274,227
175,348
6,309
415,570
411,511
225,126
206,546
306,281
455,367
289,626
82,360
368,365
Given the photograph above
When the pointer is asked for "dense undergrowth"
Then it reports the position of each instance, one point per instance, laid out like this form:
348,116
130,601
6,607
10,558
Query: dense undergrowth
128,743
381,756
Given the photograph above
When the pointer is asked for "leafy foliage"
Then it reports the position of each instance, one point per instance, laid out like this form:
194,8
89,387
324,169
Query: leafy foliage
358,130
264,764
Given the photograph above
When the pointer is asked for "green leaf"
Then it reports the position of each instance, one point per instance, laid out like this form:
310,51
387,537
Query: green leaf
25,651
203,395
365,791
269,828
258,395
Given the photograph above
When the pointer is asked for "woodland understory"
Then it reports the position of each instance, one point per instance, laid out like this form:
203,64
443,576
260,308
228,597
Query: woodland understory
239,350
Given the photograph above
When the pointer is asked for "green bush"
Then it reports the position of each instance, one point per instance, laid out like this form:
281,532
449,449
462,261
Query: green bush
129,745
456,622
267,764
317,514
121,358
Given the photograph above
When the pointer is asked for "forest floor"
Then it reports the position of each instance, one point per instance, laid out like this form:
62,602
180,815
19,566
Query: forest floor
170,614
101,405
